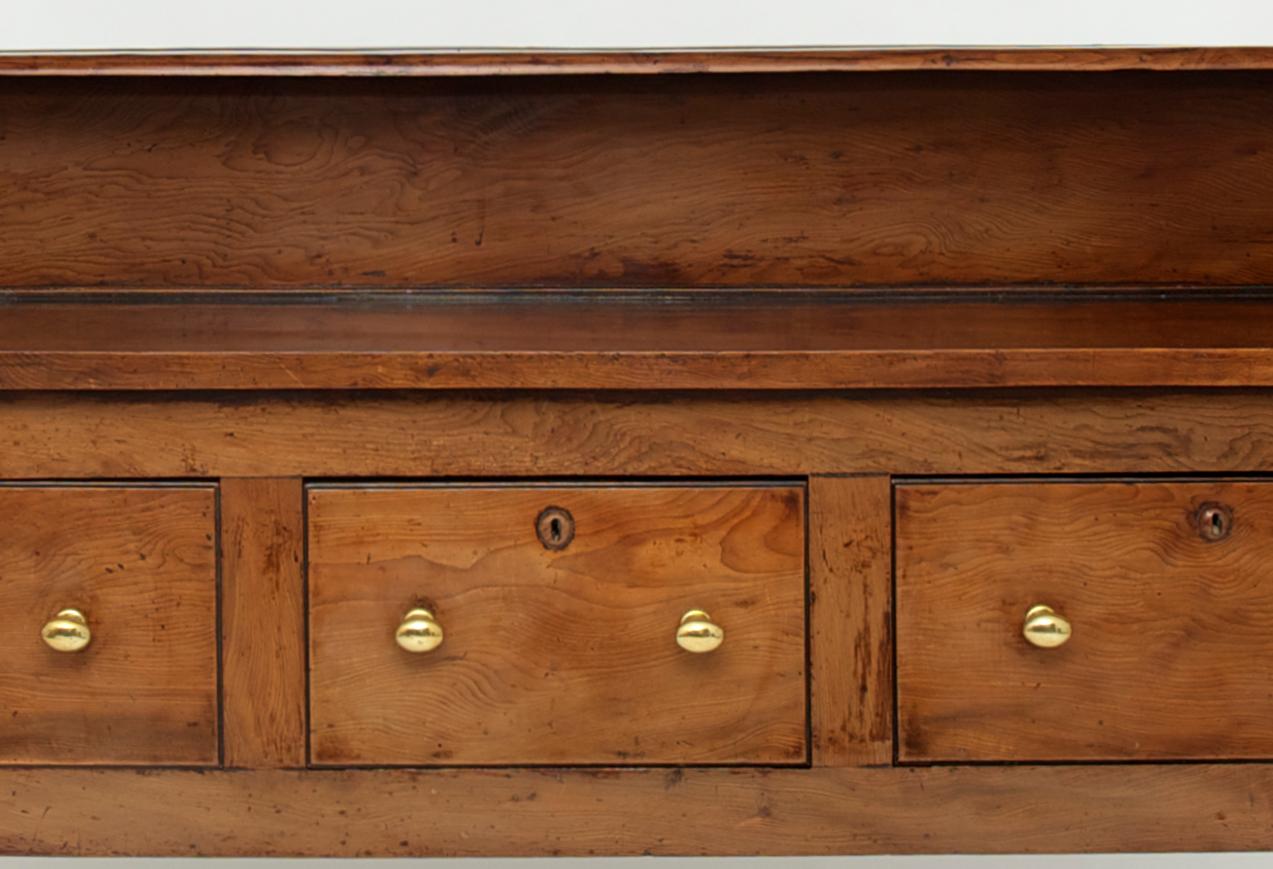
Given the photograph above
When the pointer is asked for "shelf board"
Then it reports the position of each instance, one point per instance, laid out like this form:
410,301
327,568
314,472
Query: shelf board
546,342
636,62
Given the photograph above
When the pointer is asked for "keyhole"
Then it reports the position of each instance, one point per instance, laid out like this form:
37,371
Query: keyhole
1215,521
555,528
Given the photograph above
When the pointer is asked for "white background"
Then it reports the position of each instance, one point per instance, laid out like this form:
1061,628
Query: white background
168,24
43,24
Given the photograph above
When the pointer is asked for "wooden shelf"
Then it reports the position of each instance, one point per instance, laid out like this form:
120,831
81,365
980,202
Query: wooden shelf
561,342
546,62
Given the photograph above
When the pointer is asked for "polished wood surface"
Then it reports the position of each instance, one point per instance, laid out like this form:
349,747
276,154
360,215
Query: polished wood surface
850,621
820,180
263,623
506,341
704,324
864,352
557,656
1170,651
470,62
570,435
140,564
557,812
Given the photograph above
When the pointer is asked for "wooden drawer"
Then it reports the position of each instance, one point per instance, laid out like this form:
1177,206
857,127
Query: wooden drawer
139,565
560,640
1168,591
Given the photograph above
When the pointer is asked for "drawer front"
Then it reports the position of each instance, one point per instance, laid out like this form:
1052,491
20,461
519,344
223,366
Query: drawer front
1167,592
138,565
559,609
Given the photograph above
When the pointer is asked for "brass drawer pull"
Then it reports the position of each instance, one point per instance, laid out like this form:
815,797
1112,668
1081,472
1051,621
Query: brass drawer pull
1045,627
67,632
697,633
419,632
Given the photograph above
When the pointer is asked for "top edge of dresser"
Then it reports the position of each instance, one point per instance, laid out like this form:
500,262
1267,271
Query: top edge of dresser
507,62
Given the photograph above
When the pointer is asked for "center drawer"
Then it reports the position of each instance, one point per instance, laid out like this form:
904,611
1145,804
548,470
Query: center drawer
1057,621
641,624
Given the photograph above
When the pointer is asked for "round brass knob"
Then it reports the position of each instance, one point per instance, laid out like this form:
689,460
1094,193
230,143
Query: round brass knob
67,632
419,632
697,633
1045,627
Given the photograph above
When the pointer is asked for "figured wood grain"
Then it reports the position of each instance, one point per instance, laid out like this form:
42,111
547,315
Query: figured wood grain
557,657
354,813
651,61
227,174
850,626
788,342
140,564
1170,656
263,623
811,180
572,435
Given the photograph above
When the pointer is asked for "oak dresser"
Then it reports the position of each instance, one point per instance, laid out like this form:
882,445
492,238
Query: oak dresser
799,452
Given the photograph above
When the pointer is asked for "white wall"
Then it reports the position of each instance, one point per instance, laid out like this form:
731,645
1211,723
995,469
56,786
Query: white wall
106,24
31,24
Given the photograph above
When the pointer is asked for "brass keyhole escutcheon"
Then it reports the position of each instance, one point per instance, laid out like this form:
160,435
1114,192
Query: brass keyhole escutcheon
555,528
1215,522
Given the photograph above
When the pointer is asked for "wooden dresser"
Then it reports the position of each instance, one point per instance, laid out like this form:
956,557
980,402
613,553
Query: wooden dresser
808,452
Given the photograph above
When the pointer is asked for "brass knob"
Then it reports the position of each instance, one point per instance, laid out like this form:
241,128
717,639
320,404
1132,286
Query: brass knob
419,632
698,633
67,632
1045,627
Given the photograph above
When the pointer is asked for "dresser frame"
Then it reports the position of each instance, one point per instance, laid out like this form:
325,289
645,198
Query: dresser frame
88,398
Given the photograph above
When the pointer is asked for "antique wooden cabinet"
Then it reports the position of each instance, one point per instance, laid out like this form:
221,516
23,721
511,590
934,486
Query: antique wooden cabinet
658,453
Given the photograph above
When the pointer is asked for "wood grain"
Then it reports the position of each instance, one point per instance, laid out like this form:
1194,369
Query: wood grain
812,180
787,342
850,626
1011,809
263,623
1170,657
557,657
502,63
587,435
649,284
140,564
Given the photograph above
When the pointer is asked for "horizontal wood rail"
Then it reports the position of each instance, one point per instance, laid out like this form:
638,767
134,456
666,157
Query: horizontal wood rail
534,342
559,812
549,62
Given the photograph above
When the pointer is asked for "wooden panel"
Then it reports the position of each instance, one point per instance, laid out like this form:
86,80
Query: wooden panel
1171,654
618,181
263,623
355,813
640,322
476,63
399,435
787,341
557,657
140,564
850,627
